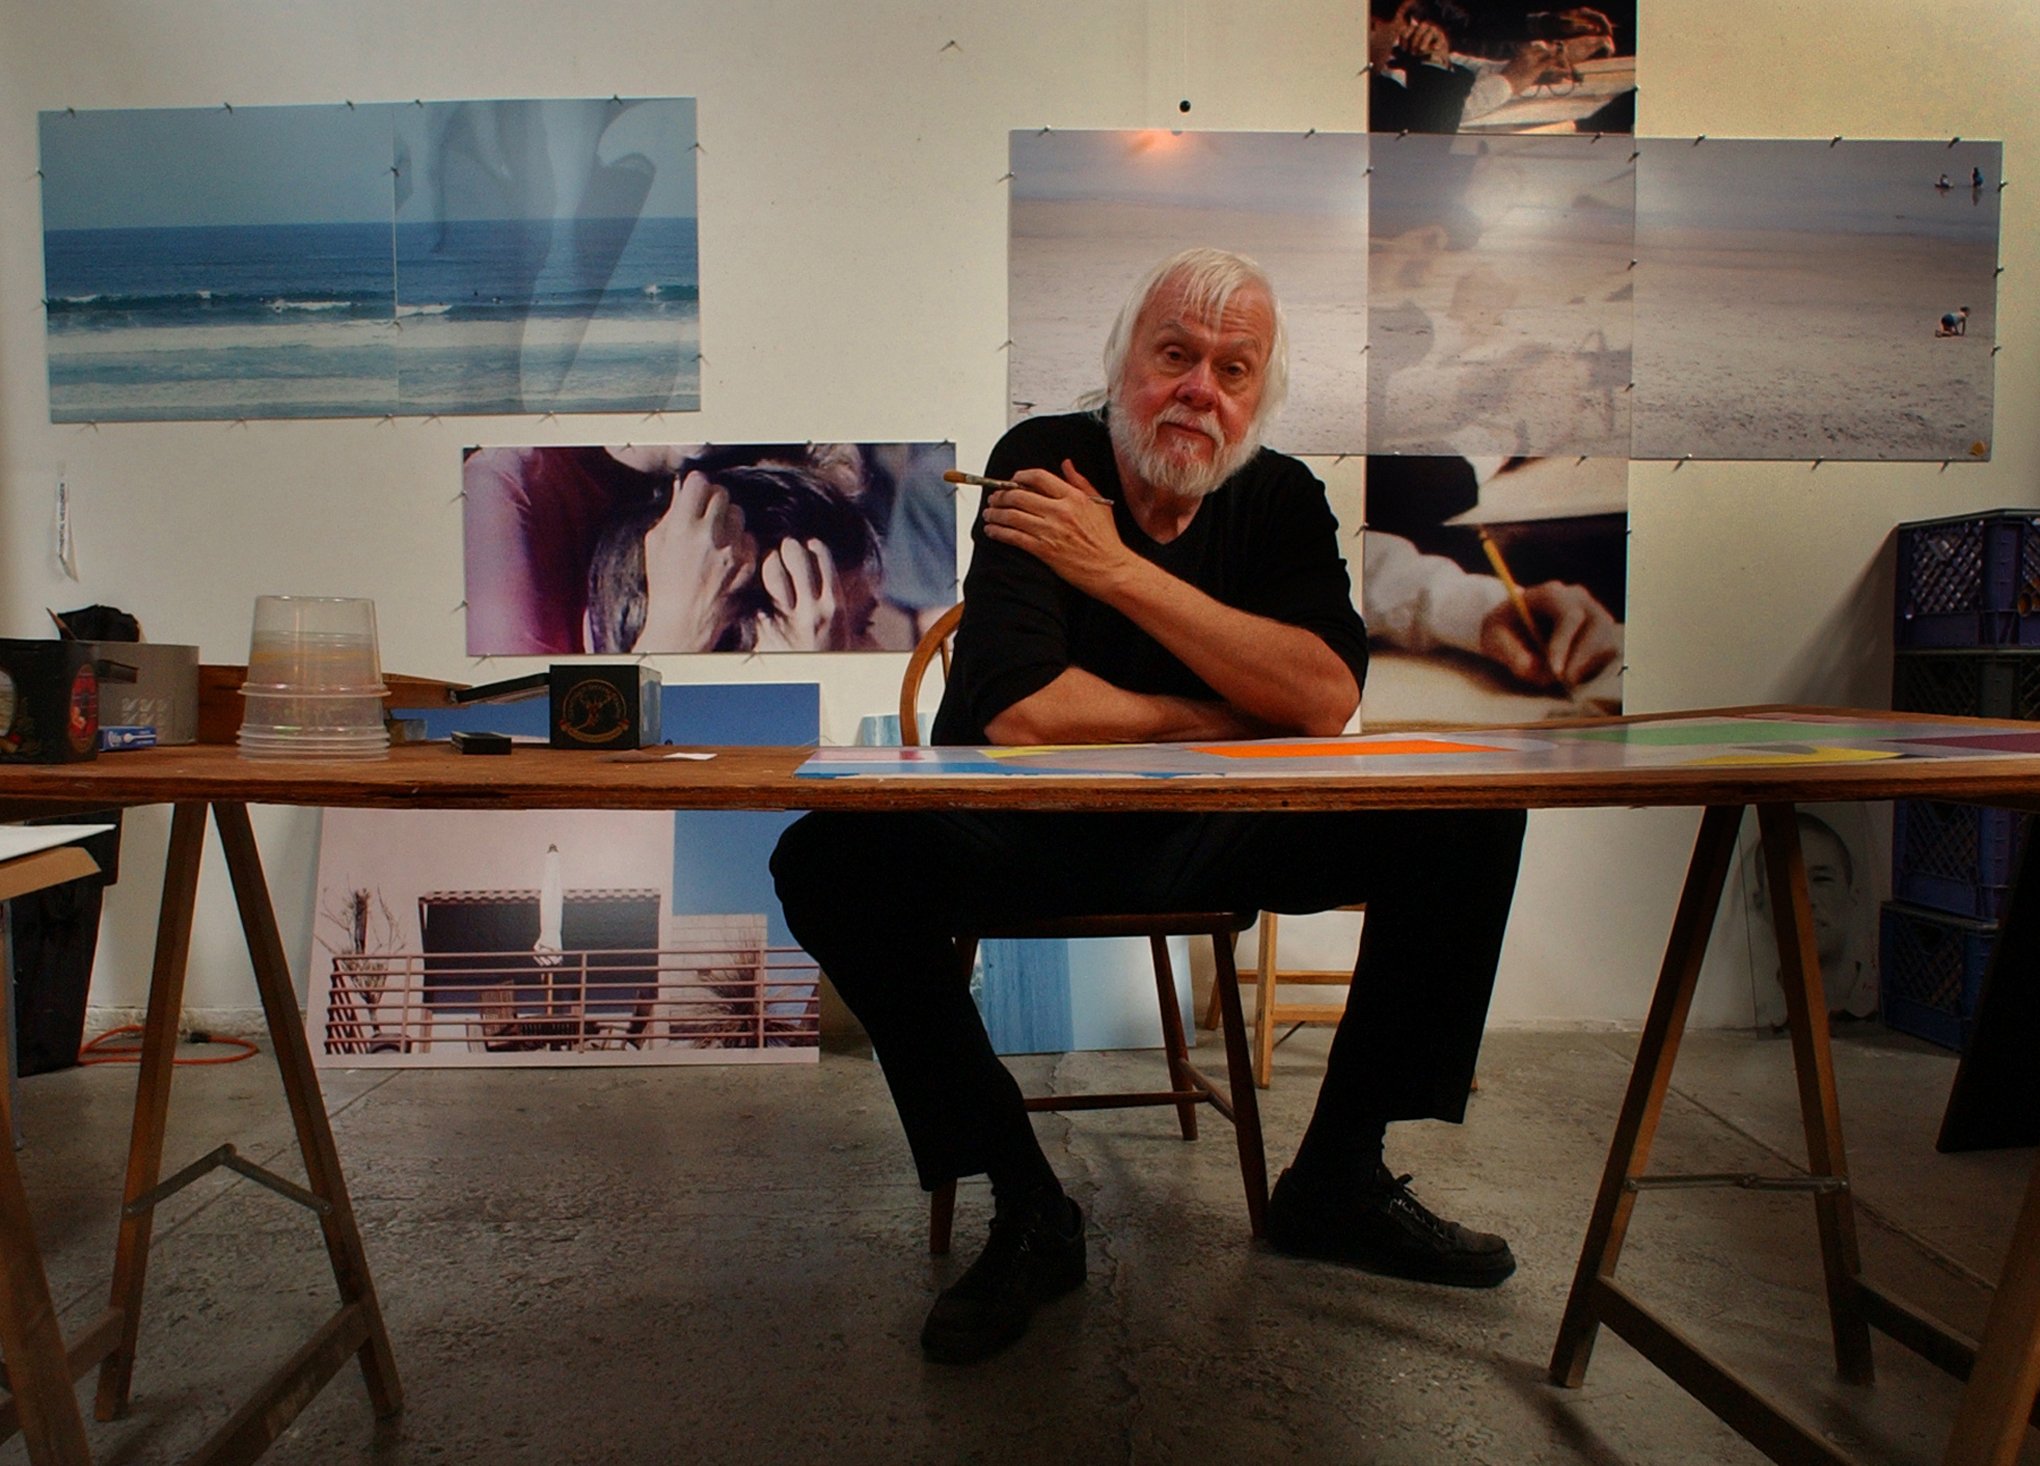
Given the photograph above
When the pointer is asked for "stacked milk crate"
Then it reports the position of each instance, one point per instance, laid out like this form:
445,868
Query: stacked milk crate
1968,642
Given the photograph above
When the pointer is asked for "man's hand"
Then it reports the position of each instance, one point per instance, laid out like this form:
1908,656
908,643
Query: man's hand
1062,522
1428,43
1537,63
1080,707
1267,675
695,556
800,578
1573,20
1586,48
1577,630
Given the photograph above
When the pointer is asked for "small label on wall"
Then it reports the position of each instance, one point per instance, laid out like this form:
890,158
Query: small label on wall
67,548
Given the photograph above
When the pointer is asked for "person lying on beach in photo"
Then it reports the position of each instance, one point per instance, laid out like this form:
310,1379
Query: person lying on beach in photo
760,557
1954,323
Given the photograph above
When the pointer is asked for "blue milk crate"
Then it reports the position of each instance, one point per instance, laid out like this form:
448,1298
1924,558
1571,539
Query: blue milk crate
1969,581
1930,972
1967,684
1958,858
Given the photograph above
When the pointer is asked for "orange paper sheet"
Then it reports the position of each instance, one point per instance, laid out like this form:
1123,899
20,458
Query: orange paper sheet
1343,748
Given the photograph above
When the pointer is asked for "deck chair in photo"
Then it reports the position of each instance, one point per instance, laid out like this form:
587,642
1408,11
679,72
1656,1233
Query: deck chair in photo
1188,1086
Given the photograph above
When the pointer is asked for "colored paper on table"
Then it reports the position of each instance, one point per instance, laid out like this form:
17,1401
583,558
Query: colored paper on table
2007,742
1814,755
1662,743
1334,748
1703,731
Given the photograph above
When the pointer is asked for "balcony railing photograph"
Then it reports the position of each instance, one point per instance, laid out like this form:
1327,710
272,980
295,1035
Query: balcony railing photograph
699,997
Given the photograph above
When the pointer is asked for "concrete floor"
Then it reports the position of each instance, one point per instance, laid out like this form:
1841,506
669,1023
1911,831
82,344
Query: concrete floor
727,1264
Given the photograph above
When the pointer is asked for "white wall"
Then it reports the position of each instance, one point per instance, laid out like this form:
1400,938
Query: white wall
852,243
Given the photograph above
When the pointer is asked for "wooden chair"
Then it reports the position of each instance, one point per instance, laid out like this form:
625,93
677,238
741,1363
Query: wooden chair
40,1364
1269,1012
1188,1086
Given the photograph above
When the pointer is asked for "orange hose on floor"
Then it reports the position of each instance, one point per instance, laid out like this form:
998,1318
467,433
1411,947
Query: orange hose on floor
95,1052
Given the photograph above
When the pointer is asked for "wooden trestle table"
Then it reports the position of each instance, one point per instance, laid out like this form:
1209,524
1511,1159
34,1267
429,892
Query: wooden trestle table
2002,1369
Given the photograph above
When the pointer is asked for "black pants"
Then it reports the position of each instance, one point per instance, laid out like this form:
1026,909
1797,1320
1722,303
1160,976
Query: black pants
876,898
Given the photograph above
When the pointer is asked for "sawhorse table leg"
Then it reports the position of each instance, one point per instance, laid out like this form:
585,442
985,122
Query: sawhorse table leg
38,1373
1997,1405
1596,1298
152,1098
43,1402
356,1329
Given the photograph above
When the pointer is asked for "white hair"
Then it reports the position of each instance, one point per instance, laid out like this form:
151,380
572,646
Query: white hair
1206,279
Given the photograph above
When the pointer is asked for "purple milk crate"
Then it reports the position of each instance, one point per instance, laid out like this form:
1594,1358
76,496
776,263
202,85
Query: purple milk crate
1930,972
1957,858
1967,684
1969,581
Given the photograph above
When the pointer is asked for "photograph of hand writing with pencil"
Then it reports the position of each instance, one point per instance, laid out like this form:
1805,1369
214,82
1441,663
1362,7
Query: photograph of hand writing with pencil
760,547
1494,589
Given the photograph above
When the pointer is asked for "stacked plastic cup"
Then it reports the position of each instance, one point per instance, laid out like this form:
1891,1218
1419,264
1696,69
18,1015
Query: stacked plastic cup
314,688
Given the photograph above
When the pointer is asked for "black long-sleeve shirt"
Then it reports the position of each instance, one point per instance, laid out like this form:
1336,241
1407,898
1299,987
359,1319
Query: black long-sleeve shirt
1264,542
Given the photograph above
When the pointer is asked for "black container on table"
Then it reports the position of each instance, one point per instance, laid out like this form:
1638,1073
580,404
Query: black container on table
604,705
49,702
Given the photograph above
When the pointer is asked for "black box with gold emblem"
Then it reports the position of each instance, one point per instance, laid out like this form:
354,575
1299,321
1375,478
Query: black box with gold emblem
49,702
604,705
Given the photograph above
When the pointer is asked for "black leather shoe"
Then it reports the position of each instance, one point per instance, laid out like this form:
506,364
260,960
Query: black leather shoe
1383,1229
1034,1255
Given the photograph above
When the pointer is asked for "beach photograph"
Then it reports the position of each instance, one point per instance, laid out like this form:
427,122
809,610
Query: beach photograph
696,547
1499,296
1807,299
358,261
215,263
546,256
1091,211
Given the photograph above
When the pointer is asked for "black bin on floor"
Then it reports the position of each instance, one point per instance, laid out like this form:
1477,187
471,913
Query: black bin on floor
55,932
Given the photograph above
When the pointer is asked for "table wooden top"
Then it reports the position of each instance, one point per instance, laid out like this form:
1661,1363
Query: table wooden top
433,776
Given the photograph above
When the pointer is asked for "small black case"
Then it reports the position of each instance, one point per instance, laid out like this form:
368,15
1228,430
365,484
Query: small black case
465,742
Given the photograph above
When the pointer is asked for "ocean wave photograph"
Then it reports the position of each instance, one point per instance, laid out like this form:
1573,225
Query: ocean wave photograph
349,261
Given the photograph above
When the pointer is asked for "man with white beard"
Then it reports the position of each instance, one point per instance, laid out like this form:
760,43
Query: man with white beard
1154,574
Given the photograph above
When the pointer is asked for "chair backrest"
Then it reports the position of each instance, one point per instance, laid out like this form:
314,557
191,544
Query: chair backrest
934,643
